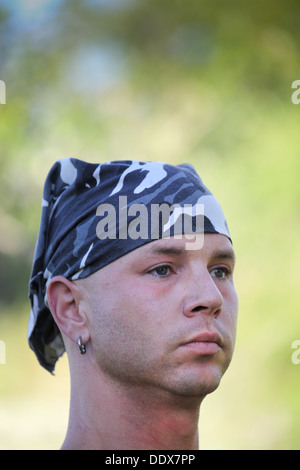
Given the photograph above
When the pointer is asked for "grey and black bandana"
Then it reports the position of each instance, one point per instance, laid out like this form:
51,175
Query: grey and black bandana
92,214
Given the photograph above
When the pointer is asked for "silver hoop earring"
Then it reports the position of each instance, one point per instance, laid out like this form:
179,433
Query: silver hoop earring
81,346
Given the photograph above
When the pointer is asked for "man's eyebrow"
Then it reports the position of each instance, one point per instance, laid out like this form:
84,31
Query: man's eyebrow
168,250
182,251
224,254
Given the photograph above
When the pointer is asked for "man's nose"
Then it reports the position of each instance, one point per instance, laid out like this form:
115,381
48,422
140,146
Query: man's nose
202,295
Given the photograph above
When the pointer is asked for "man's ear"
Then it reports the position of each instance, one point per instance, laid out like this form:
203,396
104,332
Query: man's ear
64,302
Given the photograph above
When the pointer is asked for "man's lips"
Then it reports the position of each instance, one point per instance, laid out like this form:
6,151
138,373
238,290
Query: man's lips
205,343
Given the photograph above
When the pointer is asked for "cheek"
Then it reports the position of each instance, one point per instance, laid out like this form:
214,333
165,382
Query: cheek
230,314
127,347
234,302
122,329
109,325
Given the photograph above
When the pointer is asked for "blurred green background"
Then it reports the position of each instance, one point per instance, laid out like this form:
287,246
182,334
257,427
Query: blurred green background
202,82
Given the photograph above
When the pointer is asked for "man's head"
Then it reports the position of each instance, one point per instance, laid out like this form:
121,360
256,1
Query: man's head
123,273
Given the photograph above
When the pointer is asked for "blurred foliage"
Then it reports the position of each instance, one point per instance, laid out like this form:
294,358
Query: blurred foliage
202,82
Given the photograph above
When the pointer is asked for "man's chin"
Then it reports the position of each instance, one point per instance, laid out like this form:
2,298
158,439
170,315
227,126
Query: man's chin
197,386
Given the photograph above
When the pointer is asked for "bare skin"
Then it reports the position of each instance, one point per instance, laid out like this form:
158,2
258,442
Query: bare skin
159,326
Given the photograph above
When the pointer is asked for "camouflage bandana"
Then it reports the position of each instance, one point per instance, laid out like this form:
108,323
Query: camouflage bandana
92,214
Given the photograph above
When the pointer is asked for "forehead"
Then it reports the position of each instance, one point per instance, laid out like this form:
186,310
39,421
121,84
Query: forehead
213,246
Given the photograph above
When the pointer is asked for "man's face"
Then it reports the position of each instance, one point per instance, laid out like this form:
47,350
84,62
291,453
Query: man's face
165,317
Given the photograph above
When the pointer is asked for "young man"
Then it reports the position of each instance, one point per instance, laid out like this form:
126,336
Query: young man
133,277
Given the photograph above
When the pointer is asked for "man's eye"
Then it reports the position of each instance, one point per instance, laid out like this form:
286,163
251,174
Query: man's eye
220,273
161,271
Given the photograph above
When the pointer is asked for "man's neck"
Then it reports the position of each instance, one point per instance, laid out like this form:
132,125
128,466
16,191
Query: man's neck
131,418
